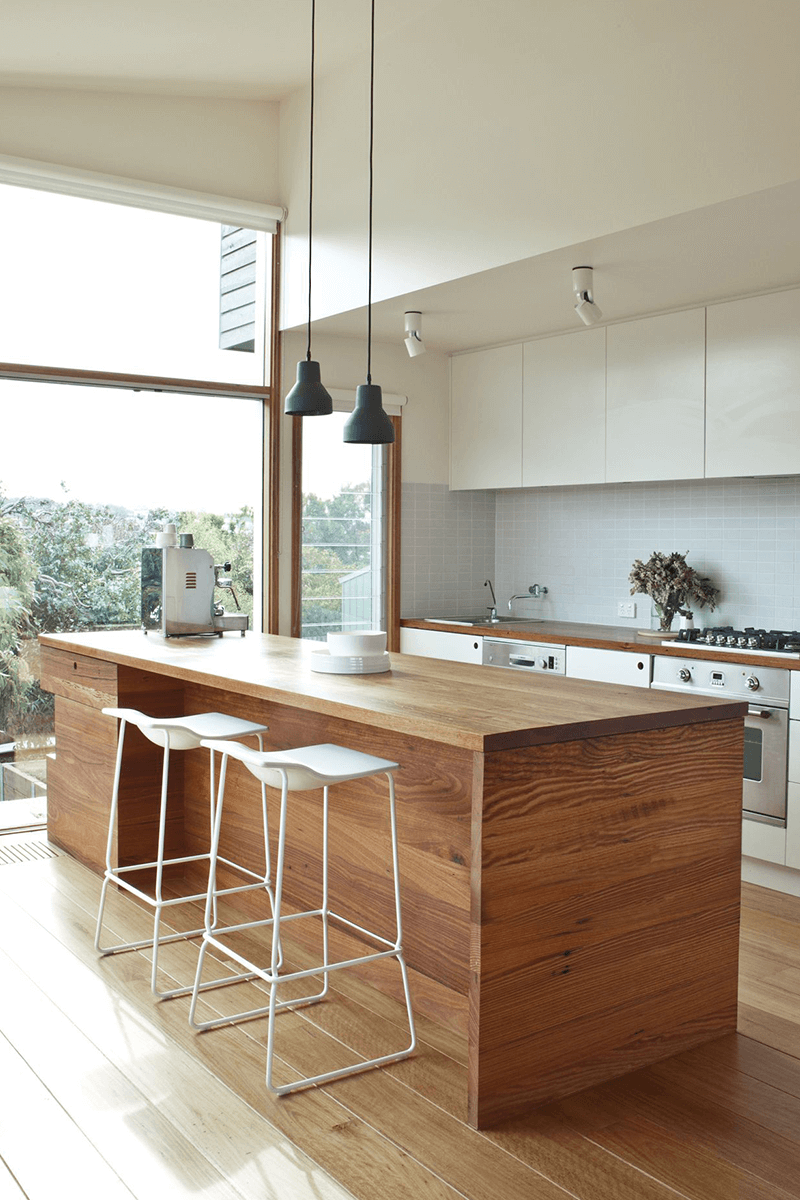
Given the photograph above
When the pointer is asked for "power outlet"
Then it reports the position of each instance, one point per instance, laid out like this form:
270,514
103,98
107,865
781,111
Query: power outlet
626,608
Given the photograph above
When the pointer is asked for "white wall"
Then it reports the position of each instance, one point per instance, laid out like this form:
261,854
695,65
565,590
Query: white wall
506,130
225,147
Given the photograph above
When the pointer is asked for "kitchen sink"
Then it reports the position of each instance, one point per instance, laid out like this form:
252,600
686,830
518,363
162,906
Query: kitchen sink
482,620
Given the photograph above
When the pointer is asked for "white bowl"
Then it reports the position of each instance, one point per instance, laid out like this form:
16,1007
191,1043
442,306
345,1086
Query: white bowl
372,642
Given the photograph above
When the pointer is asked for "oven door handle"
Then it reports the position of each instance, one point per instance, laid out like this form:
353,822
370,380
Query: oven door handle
763,714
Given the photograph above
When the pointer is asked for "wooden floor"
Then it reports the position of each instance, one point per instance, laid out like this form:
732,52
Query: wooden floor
111,1092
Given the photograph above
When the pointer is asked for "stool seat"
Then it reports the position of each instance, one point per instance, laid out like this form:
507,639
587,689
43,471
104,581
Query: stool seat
302,769
307,767
186,733
177,733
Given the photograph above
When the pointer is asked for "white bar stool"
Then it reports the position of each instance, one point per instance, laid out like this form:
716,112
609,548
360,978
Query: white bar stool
303,769
177,733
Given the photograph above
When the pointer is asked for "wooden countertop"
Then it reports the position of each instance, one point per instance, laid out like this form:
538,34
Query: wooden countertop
602,637
473,707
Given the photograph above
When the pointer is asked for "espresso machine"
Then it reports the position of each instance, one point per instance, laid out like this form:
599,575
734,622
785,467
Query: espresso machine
179,585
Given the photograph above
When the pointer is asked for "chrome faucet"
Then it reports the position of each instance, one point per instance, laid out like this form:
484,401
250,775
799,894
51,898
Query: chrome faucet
536,589
493,607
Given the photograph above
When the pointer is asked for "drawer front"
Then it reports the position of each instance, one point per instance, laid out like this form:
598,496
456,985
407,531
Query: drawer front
90,681
609,666
767,842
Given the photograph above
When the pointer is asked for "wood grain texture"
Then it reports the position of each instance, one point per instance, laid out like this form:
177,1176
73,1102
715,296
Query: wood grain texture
456,704
86,680
582,891
433,815
609,898
140,1073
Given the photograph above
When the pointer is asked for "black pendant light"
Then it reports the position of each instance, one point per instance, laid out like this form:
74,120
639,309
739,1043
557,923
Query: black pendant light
368,423
308,397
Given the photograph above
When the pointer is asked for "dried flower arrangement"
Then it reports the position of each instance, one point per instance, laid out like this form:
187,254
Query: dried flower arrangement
670,583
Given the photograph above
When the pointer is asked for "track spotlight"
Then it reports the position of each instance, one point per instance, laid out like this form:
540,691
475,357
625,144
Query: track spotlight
586,308
414,342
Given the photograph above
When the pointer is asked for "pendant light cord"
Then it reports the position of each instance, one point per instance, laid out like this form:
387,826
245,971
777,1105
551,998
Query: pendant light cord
371,126
311,169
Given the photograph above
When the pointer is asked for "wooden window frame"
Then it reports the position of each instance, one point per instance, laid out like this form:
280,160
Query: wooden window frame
266,393
393,486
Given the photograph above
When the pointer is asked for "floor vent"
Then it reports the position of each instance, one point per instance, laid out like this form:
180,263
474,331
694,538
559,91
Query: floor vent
13,851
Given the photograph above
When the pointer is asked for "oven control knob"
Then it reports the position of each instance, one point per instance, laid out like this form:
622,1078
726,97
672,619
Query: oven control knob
752,683
684,675
541,664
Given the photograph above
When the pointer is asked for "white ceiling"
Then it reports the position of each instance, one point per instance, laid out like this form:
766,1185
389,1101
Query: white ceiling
742,246
240,49
258,49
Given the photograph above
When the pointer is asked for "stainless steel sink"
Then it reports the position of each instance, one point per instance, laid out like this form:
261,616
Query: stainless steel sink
482,620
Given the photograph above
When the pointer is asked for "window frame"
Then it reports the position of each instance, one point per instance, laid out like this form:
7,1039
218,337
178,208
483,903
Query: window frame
392,526
266,393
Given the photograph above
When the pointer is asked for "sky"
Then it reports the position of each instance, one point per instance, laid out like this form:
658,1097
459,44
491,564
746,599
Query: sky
102,287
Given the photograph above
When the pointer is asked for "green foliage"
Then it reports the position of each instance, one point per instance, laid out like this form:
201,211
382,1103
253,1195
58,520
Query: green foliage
227,538
336,542
66,565
16,595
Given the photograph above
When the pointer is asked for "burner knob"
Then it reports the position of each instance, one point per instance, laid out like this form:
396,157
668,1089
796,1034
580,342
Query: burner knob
541,664
752,683
684,675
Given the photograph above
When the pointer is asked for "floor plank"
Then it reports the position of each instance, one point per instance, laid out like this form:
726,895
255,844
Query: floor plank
140,1093
349,1151
30,1117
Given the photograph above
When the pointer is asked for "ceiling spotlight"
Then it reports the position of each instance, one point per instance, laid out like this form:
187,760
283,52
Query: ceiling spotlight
586,308
414,342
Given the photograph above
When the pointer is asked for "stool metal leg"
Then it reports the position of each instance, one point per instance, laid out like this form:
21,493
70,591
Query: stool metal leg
112,822
157,900
271,975
211,917
394,952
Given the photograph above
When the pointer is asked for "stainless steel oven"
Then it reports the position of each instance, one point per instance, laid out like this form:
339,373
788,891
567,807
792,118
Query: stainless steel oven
766,732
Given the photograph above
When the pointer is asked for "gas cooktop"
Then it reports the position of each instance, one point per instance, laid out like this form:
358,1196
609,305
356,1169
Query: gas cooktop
752,641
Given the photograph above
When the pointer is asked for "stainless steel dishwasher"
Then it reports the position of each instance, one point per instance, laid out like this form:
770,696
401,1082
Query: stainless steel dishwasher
524,656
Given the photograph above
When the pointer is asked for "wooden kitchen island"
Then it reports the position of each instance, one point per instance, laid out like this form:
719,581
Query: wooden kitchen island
570,851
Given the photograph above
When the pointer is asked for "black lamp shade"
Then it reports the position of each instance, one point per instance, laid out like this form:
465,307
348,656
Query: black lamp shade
368,424
308,397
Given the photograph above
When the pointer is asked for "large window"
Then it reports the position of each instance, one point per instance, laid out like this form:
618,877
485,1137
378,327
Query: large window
343,571
88,474
102,287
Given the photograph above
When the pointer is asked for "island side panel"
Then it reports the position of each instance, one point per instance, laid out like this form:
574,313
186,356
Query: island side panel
434,805
607,912
80,777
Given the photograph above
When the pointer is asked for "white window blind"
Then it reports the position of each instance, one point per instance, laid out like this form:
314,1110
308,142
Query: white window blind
136,193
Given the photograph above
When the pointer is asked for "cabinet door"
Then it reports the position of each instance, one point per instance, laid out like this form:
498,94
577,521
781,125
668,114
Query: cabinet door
486,419
753,390
564,409
608,666
655,399
435,643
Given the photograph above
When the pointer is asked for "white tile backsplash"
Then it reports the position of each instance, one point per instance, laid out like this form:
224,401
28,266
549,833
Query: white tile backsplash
448,548
580,542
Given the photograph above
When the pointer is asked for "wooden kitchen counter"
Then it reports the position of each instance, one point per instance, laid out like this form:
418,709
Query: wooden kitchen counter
569,850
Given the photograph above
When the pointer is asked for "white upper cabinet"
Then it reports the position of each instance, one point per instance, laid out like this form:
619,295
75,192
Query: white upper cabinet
564,409
655,399
754,386
486,419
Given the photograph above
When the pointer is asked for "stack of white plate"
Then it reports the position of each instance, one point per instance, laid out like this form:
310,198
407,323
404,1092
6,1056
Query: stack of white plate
362,653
